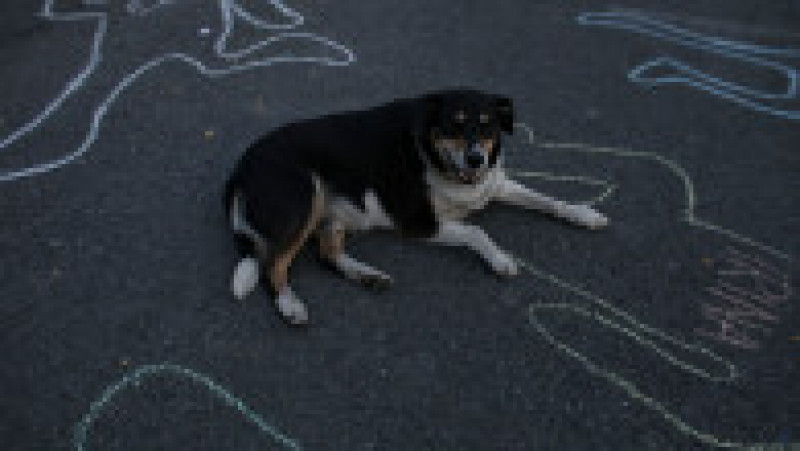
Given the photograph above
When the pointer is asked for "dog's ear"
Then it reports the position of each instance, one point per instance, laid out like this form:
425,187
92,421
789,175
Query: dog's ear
505,113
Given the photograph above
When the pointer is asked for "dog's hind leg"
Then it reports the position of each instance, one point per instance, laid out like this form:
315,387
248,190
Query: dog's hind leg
292,309
271,223
331,246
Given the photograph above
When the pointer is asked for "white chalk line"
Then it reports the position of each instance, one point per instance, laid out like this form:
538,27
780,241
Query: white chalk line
689,211
134,378
608,188
607,315
75,83
229,10
135,7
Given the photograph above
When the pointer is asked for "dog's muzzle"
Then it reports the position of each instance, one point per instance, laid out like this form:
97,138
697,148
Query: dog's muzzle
466,166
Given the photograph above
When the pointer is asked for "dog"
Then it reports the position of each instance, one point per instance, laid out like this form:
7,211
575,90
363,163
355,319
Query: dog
418,166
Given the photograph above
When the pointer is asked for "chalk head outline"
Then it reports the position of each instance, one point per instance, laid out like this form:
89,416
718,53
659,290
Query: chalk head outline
221,61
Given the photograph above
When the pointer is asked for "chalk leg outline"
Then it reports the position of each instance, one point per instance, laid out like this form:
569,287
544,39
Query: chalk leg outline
611,317
230,10
83,427
757,55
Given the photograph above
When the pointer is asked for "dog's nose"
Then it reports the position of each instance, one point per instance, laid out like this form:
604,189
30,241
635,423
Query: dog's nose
474,158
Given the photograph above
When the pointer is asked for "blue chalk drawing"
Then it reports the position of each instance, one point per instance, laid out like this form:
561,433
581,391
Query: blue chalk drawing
221,62
132,379
682,73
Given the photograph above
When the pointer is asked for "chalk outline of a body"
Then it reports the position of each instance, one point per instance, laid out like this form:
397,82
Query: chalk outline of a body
683,73
592,307
589,307
229,63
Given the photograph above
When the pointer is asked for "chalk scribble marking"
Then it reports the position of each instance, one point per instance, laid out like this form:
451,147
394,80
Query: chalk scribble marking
132,379
231,61
745,300
592,307
679,72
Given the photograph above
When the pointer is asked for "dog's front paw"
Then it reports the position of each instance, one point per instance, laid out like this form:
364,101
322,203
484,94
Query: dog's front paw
503,264
586,216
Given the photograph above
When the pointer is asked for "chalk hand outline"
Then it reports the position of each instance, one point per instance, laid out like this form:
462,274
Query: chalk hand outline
83,428
679,72
589,306
226,61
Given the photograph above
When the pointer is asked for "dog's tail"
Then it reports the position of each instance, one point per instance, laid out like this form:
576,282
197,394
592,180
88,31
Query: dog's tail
245,277
246,274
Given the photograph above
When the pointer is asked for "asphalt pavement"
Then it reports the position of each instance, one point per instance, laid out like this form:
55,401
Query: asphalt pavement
675,328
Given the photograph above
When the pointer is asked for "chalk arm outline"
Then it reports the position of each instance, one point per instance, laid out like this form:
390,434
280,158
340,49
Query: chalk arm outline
611,317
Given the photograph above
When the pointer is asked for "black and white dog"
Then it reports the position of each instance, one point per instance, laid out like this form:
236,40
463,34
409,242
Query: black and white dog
418,166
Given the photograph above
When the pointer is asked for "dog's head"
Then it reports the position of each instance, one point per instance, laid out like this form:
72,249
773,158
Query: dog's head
462,132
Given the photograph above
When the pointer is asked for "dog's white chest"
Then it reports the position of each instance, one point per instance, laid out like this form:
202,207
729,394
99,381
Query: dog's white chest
455,201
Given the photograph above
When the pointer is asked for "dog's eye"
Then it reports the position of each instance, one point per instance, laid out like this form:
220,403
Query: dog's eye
460,117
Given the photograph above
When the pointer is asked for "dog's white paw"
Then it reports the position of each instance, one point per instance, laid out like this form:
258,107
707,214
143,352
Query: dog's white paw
245,277
367,275
503,264
586,216
292,309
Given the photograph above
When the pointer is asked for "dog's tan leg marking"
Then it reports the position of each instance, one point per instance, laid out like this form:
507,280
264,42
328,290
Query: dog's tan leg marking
292,308
489,145
331,242
331,247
